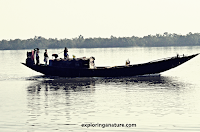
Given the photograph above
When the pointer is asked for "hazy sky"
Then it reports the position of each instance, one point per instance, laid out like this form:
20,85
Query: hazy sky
97,18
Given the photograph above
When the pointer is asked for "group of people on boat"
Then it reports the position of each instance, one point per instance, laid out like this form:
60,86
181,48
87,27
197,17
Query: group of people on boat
46,55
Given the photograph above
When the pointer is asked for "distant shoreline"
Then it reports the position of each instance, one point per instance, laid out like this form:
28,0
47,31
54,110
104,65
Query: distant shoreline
101,47
158,40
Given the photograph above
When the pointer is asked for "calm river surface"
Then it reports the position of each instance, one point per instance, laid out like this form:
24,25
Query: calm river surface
32,102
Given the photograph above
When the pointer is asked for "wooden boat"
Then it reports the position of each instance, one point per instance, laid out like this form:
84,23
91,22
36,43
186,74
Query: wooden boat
84,67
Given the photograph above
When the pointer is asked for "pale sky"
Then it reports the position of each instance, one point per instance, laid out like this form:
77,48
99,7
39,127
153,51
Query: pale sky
61,19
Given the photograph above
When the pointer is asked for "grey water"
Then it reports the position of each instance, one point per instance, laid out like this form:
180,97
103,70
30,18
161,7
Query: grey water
32,102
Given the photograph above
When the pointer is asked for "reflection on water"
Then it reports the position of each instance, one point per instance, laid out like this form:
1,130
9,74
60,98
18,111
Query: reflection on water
50,102
151,82
66,103
47,83
75,84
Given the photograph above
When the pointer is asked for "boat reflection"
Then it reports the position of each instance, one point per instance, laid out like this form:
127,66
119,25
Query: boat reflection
150,82
88,84
49,98
64,84
61,96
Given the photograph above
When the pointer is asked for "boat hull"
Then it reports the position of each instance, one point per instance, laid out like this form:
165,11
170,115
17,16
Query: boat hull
152,67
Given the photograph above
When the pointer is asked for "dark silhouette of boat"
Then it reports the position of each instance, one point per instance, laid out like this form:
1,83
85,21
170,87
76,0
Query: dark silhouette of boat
84,67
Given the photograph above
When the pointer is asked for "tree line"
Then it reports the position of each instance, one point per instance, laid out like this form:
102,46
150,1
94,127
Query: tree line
158,40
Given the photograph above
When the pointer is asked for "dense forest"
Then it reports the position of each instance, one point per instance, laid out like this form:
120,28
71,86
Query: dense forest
158,40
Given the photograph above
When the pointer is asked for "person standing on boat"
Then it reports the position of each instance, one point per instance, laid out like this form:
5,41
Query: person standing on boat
45,56
65,53
37,57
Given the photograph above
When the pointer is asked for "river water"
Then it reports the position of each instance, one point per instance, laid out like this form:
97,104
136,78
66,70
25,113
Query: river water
32,102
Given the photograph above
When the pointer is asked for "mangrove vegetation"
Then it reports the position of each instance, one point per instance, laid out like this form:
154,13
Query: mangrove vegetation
158,40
